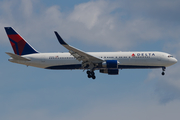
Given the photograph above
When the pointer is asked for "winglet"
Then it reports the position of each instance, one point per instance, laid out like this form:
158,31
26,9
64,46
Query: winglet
60,39
78,54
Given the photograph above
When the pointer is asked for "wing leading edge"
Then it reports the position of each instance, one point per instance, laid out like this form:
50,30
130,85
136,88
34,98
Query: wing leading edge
79,54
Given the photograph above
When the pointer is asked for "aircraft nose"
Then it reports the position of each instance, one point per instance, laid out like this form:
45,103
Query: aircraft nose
174,60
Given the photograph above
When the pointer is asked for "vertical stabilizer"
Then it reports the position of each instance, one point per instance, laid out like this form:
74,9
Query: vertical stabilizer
19,45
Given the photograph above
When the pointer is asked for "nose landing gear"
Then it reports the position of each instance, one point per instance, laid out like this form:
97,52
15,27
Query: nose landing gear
91,74
163,69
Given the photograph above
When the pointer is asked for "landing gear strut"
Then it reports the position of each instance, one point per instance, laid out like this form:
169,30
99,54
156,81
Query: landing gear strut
91,74
163,69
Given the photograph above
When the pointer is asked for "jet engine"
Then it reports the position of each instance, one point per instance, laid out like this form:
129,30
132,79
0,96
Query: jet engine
110,71
110,64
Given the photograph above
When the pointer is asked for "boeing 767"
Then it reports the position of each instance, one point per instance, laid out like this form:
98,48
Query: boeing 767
105,62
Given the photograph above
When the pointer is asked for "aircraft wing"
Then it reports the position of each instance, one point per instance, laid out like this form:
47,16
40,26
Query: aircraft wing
17,57
78,54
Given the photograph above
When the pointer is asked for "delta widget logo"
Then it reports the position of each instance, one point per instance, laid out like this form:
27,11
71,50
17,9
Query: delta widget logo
143,54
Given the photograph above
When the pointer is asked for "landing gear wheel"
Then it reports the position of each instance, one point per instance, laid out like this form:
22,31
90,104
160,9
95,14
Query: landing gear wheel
163,69
88,72
91,74
93,77
163,73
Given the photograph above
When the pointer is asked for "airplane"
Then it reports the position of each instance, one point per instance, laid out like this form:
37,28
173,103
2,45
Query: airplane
106,62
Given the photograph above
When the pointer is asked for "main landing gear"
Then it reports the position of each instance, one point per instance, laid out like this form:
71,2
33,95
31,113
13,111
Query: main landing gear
163,69
91,74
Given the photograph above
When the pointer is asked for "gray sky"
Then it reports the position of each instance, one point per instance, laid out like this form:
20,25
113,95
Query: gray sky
97,25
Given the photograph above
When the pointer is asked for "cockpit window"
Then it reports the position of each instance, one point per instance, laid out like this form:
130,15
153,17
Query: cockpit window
170,56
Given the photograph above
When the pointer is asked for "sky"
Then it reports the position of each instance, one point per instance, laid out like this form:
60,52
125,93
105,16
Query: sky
28,93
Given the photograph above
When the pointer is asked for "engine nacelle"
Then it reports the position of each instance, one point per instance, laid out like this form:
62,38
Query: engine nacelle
110,71
110,64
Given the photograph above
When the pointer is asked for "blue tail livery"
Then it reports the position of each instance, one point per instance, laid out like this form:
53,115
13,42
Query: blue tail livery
19,45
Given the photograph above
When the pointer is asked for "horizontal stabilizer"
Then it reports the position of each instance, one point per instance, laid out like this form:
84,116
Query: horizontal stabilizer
17,57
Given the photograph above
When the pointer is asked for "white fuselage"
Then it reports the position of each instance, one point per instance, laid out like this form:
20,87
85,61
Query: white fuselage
106,62
126,60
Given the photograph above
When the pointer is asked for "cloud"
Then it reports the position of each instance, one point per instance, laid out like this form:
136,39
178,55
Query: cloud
103,109
92,13
27,8
119,25
155,9
125,110
167,88
106,23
